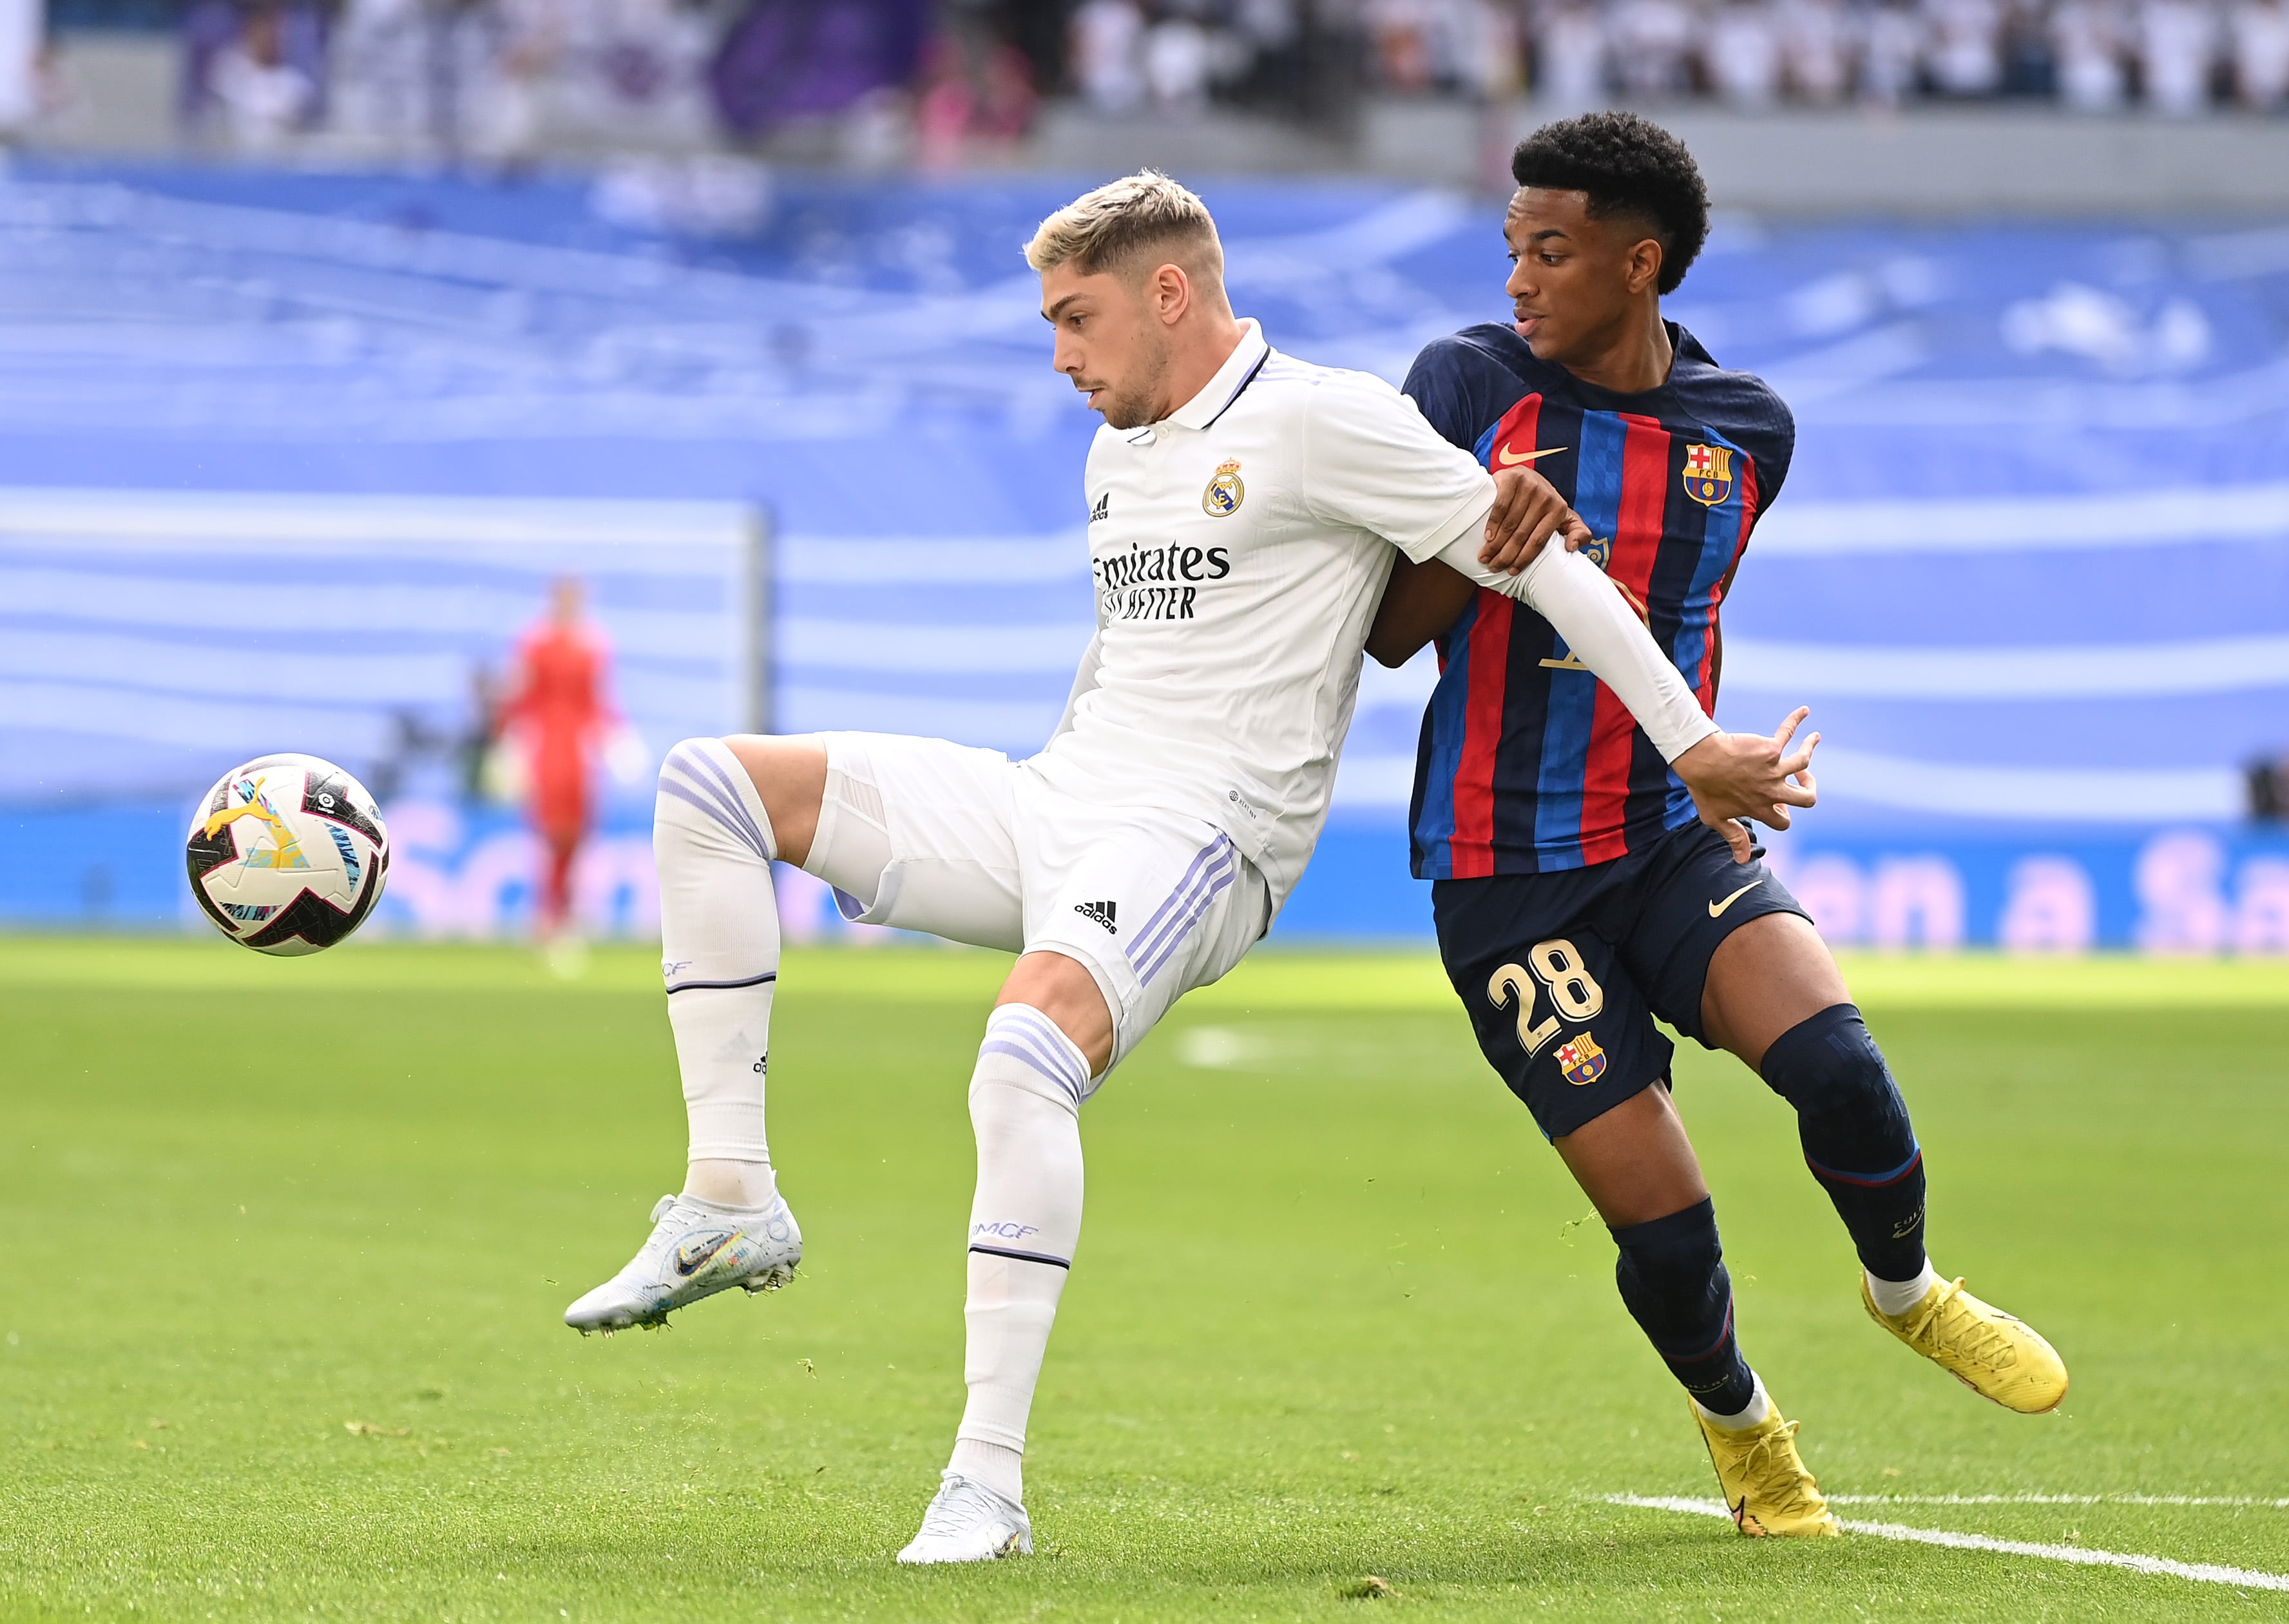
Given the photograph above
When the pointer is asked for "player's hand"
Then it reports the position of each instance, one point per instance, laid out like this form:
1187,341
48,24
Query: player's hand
1528,512
1737,776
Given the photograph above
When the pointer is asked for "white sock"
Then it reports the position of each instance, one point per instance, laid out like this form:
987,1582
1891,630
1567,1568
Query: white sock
719,929
1896,1297
999,1470
1759,1408
1025,1103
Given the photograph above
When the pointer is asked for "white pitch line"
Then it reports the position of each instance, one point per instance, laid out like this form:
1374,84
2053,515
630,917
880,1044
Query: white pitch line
2207,1572
2054,1500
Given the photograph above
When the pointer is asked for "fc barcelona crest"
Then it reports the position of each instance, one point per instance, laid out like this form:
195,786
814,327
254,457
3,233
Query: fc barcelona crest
1582,1061
1225,494
1709,473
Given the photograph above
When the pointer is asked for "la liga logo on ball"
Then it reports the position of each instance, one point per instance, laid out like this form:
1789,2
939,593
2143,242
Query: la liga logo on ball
287,855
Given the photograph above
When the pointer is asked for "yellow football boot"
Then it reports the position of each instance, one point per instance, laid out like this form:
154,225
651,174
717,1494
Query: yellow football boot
1993,1354
1766,1489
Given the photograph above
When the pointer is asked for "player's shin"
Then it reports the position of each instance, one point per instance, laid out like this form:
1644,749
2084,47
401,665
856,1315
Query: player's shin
720,955
1858,1141
1672,1277
1025,1104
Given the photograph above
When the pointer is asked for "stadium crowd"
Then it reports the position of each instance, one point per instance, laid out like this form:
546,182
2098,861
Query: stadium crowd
2175,56
486,74
2178,56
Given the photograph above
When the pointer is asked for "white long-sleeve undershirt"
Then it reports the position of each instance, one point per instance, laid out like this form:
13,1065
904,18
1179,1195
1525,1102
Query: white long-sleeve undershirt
1598,623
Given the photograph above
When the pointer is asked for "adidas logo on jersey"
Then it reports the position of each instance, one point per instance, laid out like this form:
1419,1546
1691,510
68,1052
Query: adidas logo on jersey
1102,913
1103,509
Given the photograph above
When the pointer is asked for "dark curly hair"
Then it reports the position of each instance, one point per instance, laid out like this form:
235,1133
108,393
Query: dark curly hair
1627,165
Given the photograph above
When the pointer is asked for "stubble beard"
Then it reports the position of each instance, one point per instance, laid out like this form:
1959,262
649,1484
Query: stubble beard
1140,404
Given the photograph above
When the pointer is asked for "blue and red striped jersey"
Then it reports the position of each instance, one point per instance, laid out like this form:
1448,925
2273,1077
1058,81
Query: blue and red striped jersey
1527,762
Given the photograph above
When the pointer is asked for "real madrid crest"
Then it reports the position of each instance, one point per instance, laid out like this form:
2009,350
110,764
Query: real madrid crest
1709,473
1226,493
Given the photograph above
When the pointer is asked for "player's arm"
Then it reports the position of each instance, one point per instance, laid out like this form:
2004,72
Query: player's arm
1372,460
1449,385
1732,776
1421,601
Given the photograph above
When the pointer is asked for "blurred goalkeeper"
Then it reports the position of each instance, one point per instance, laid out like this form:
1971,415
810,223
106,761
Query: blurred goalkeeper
556,728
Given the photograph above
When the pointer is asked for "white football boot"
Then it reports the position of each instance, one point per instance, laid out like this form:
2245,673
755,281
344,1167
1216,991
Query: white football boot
693,1253
968,1522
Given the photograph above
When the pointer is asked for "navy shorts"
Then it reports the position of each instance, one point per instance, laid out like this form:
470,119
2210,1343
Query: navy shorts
1563,972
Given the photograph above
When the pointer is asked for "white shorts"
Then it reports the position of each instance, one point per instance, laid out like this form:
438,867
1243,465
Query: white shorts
966,844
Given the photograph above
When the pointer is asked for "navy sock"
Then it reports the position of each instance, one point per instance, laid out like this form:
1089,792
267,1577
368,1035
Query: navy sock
1671,1272
1856,1136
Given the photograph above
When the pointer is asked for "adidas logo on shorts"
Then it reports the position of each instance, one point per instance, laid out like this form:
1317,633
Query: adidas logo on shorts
1102,913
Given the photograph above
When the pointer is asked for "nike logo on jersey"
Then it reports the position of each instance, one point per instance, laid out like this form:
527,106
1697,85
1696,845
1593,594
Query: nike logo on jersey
1103,509
1504,458
1717,908
1103,913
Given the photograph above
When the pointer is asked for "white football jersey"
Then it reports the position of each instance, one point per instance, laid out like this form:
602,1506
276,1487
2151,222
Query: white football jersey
1239,548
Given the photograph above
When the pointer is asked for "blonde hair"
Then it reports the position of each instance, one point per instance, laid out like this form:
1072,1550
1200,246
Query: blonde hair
1111,227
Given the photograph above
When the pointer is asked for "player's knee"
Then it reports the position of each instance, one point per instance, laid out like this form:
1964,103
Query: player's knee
706,764
703,808
1672,1271
1062,989
1025,1050
1830,1066
1683,1245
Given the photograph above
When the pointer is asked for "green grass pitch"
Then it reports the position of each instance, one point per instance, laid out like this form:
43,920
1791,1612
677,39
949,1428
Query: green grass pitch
287,1243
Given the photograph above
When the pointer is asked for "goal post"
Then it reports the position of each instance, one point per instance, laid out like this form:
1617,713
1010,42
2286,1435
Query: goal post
154,638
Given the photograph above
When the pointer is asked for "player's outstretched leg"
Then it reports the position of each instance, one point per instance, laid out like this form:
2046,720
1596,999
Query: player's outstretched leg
1024,1223
1857,1138
720,946
1672,1276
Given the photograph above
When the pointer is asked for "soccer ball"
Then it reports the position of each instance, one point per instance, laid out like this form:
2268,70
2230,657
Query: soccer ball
287,855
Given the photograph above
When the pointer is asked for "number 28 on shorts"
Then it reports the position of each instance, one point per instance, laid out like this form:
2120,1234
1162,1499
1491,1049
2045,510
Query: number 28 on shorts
1553,968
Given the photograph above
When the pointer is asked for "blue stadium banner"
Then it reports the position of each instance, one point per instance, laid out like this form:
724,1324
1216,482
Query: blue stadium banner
2030,568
